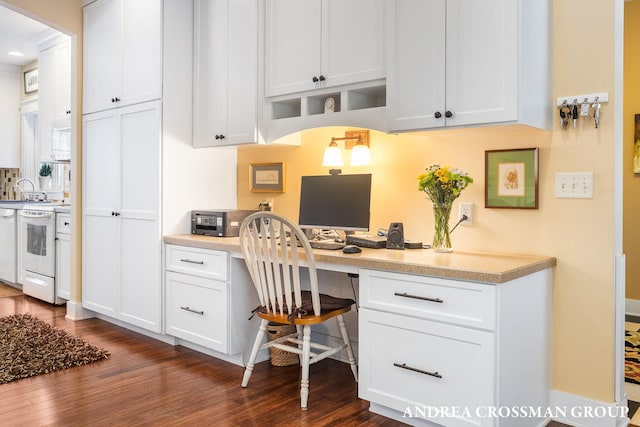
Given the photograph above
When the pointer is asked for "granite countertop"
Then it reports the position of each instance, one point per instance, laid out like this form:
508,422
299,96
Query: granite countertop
20,204
486,267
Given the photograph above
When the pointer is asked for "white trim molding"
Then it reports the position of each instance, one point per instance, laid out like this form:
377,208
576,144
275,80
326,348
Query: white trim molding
580,411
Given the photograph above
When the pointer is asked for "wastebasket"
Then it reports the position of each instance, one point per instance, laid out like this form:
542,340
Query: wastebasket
281,357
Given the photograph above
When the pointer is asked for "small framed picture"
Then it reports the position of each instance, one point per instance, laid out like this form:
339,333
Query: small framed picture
266,177
31,81
511,178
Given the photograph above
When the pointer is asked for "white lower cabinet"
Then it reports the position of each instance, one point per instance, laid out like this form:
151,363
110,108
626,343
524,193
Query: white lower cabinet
63,256
122,252
452,352
415,363
197,310
209,298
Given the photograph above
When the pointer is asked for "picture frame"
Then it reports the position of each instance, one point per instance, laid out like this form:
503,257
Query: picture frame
266,178
511,178
31,81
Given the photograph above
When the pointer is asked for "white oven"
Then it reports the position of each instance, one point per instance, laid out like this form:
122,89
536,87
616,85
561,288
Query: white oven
36,234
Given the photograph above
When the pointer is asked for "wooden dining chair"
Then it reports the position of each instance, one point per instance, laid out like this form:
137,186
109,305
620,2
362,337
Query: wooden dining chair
274,249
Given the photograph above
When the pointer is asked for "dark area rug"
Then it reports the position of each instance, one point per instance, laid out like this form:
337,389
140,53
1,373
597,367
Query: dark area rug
29,347
632,356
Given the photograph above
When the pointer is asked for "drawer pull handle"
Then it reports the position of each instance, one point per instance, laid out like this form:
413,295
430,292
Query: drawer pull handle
420,371
406,295
191,310
191,261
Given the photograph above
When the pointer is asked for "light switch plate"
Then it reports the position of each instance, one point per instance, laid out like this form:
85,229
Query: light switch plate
574,185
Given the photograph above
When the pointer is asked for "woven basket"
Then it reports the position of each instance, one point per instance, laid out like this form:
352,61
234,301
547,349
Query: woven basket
281,357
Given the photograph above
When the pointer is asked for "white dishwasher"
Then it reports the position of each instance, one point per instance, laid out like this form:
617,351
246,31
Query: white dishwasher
8,247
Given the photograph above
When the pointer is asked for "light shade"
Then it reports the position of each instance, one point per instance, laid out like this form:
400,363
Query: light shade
332,155
360,155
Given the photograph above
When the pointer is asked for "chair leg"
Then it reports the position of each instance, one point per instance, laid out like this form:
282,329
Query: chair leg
300,336
254,352
345,338
306,350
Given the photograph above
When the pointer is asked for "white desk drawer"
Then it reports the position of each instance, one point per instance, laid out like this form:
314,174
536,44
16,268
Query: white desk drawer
201,262
409,363
63,223
452,301
196,310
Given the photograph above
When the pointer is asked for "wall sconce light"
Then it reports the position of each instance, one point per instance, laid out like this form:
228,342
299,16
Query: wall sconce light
357,141
360,155
332,155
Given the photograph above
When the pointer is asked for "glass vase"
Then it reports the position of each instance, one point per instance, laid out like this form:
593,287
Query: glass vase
441,235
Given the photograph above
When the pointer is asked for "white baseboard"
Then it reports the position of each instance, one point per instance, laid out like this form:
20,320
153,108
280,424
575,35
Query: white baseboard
76,312
580,411
632,307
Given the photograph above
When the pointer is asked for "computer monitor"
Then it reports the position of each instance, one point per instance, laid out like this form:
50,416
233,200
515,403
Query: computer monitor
335,202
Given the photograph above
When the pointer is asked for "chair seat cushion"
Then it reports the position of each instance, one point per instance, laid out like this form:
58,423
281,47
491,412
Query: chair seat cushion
328,304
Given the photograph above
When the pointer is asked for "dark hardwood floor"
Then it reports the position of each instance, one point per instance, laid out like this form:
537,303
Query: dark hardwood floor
146,382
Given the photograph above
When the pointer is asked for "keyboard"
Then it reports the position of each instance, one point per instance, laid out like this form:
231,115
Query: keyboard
326,244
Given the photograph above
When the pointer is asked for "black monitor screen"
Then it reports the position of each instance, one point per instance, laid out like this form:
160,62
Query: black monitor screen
335,202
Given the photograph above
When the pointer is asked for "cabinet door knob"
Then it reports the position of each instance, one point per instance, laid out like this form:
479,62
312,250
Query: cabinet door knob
217,137
113,100
322,78
314,79
66,223
448,114
437,114
221,136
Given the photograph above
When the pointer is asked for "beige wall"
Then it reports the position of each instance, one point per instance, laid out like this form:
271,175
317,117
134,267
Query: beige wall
66,16
578,232
631,180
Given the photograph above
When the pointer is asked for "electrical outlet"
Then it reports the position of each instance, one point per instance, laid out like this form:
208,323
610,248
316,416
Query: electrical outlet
266,205
574,185
466,209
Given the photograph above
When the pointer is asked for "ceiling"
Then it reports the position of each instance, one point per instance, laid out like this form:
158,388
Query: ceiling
17,32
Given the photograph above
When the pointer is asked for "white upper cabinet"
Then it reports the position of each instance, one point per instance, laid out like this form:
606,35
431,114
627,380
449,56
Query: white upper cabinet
467,62
54,93
10,116
225,88
322,43
122,53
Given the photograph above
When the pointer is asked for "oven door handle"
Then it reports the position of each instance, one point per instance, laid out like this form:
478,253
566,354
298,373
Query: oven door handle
39,215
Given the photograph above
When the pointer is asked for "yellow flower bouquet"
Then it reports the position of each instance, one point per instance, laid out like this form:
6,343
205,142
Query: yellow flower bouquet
443,185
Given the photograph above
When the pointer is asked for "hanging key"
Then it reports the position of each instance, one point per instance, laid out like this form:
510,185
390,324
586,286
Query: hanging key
574,112
565,114
596,113
584,108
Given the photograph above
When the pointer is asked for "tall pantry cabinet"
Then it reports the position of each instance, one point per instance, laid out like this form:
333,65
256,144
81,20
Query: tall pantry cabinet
121,161
141,174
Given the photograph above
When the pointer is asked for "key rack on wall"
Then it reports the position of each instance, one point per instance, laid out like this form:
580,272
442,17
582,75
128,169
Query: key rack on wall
571,108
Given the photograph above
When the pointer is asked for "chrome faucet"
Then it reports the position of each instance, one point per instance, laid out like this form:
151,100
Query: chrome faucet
33,187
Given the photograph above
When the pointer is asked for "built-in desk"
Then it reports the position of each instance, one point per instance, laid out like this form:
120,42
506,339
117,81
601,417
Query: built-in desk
463,265
447,337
